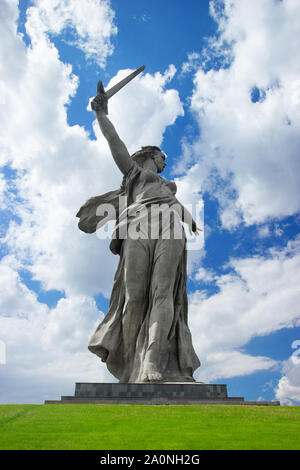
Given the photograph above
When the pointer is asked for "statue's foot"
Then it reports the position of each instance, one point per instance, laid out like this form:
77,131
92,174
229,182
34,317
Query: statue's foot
151,374
151,377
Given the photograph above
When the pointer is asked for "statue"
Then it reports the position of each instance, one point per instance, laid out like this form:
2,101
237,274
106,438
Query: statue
144,337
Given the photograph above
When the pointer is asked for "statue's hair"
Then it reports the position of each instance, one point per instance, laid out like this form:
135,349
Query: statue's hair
144,153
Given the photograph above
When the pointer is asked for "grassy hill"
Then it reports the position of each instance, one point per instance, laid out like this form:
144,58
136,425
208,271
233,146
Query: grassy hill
134,427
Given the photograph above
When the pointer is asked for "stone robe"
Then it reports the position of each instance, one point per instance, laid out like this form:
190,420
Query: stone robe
147,319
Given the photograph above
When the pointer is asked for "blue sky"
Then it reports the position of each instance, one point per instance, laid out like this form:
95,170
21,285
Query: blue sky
220,95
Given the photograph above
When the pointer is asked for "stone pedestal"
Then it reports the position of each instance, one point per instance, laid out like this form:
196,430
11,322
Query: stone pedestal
153,394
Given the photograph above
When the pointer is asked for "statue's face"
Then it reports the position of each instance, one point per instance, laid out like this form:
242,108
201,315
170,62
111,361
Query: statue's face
159,159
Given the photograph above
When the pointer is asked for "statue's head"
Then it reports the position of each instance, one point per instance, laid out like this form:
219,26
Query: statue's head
150,152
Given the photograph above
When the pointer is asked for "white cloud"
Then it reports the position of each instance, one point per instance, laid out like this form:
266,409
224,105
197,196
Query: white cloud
252,146
206,275
258,296
3,187
46,349
89,23
263,231
15,296
288,388
278,231
192,63
226,364
71,323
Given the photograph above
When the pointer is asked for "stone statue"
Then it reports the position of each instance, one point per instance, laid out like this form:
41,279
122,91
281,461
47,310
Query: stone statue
144,337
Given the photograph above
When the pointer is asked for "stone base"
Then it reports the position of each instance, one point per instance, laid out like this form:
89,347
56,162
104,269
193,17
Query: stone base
154,394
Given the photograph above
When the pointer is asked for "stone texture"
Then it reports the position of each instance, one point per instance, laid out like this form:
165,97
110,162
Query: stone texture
154,394
191,391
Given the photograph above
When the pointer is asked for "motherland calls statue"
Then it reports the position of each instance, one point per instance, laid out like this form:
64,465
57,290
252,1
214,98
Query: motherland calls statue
144,337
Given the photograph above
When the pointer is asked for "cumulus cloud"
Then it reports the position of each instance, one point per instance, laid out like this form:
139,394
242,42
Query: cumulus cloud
69,323
46,349
288,388
255,297
90,25
15,296
247,108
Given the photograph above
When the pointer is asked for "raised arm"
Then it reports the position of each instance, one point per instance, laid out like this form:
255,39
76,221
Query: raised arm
117,147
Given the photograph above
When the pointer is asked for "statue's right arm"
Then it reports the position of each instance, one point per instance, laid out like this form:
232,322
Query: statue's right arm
117,147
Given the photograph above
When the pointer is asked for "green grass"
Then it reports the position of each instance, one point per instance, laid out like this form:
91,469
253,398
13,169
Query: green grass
133,427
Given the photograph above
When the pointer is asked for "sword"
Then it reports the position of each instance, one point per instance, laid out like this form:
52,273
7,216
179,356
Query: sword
113,90
109,93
